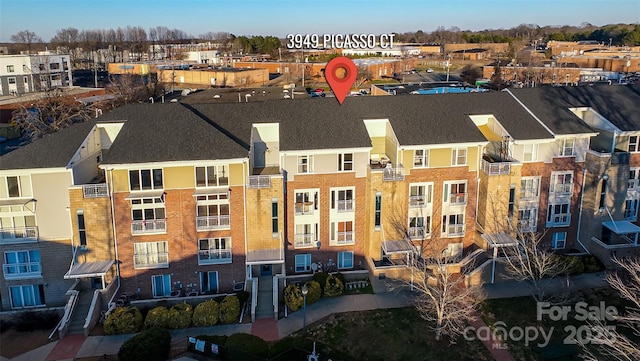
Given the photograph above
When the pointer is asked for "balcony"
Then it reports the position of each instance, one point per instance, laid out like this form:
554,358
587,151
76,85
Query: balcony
390,173
151,260
458,198
149,226
417,201
491,167
303,240
455,230
345,205
214,256
95,190
526,225
560,220
22,270
345,238
561,188
259,181
206,223
416,232
304,208
19,234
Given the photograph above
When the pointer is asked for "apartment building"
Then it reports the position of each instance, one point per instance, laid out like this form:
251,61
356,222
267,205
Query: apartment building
198,199
21,74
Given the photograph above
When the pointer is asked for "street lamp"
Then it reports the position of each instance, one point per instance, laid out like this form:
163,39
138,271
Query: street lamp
305,290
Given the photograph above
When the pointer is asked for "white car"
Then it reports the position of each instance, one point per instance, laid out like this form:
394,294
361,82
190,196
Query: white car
429,70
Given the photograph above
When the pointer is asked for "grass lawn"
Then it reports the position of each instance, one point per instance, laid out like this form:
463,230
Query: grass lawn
390,334
522,312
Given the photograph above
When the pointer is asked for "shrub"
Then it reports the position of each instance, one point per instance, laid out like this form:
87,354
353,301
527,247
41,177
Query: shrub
315,292
243,297
206,314
574,265
180,315
333,287
123,320
32,321
592,264
341,278
243,343
321,278
153,344
157,317
293,297
229,309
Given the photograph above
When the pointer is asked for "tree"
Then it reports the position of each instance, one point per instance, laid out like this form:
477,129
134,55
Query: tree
497,82
26,38
470,73
443,299
613,344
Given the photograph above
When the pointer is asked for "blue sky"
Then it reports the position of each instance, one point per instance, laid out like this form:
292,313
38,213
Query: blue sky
281,17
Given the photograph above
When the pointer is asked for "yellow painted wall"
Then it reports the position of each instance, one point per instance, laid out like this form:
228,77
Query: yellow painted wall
259,231
391,149
179,177
407,158
440,157
378,144
120,180
472,158
236,176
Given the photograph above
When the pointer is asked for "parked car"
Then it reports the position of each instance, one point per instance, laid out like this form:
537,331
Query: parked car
429,70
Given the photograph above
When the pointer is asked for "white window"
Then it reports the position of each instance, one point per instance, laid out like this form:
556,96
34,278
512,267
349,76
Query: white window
10,69
345,260
419,227
274,217
161,285
632,182
25,80
306,235
529,188
15,186
342,200
421,158
633,144
528,219
455,193
145,179
420,195
151,254
342,233
558,215
212,176
209,282
530,152
345,162
561,183
214,250
453,225
378,211
631,209
213,211
22,264
148,215
306,202
305,164
26,296
459,156
17,222
559,240
303,262
12,80
567,147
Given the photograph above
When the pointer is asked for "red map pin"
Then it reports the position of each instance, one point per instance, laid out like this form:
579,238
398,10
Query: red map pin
341,73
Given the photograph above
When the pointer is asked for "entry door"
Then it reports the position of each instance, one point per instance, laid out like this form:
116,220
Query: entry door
265,270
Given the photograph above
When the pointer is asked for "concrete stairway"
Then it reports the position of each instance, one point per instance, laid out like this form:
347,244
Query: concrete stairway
80,313
265,297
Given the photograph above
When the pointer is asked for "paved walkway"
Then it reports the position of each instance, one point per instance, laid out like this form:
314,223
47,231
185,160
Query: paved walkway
385,297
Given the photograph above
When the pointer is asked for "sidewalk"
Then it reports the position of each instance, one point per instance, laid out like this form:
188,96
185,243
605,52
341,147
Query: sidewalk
385,297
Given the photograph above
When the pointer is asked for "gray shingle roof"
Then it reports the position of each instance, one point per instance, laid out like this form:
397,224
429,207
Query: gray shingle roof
53,150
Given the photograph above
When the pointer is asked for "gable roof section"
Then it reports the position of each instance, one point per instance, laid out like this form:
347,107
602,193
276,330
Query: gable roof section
618,104
51,151
164,133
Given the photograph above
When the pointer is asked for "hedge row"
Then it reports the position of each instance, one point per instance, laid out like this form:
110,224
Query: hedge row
323,284
208,313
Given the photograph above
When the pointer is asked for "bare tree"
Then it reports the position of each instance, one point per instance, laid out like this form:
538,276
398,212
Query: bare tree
611,344
26,38
443,299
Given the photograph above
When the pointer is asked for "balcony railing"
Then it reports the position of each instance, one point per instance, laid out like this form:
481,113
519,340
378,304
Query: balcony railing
455,230
304,208
214,256
561,219
22,270
417,201
458,198
19,234
496,168
205,223
345,237
527,225
259,181
416,232
345,205
561,188
148,226
393,173
304,240
151,260
95,190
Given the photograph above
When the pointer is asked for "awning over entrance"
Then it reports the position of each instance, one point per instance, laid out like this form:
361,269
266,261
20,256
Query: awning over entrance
397,247
499,240
145,194
89,269
266,256
621,227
